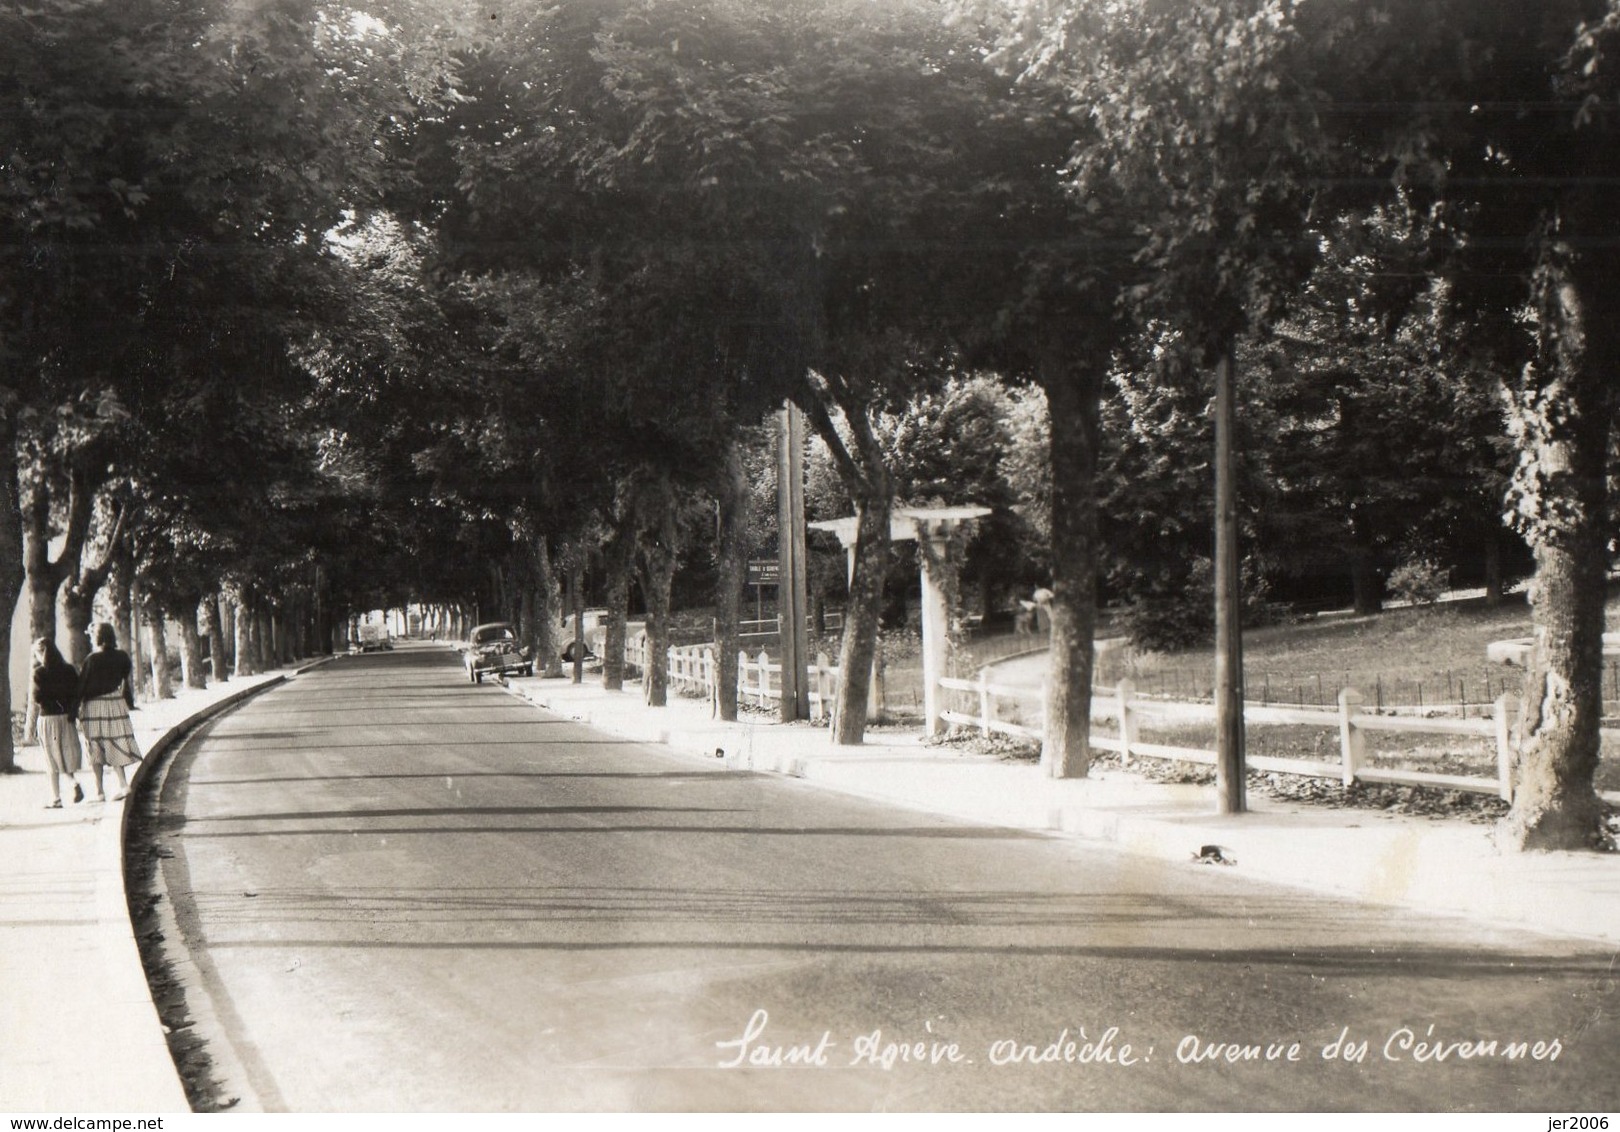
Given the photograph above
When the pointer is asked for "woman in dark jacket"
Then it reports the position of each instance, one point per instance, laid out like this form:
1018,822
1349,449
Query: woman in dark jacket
53,701
106,693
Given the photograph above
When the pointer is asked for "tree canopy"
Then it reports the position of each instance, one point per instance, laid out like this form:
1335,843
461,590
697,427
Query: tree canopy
333,306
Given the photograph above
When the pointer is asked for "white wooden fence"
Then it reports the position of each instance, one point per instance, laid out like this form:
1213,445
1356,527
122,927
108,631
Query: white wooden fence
692,668
1121,705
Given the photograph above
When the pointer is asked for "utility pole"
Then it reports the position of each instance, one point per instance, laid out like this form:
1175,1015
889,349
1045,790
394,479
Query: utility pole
1229,754
792,587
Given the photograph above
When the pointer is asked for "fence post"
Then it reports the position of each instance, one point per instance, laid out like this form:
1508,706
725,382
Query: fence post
1504,749
984,701
818,710
765,674
1352,742
1127,719
711,681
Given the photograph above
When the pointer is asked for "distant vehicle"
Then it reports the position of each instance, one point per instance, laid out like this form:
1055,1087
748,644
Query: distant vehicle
492,649
593,628
374,637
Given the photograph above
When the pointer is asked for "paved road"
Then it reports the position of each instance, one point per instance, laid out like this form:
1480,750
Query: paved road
401,891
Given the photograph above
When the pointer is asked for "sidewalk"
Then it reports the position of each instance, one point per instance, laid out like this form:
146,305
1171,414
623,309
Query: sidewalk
1446,866
81,1032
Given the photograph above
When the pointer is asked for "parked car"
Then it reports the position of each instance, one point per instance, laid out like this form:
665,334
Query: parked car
492,649
593,628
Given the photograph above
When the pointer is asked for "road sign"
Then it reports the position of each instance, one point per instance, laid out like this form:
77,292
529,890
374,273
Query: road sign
764,571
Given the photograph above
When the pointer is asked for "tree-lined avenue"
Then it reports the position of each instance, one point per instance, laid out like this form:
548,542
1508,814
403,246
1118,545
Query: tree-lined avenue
404,891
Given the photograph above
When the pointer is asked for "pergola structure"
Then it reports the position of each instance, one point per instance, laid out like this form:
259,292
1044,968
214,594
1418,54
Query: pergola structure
933,526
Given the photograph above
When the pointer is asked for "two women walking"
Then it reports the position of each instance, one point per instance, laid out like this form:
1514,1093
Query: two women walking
100,698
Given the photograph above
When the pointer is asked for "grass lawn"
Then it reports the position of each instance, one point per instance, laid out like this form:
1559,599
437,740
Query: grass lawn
1432,657
1426,657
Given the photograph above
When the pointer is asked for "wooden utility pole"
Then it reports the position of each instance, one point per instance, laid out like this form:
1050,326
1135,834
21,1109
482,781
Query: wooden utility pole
792,603
1229,755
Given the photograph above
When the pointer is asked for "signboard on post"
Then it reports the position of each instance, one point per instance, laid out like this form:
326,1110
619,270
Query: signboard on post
764,572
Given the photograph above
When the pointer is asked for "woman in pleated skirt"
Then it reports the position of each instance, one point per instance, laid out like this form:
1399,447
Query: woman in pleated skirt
106,695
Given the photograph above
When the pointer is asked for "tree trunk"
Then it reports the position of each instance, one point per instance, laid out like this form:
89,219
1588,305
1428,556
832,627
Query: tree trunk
1366,587
858,649
216,639
866,477
548,639
162,677
244,640
615,629
617,561
83,583
263,657
1561,493
191,648
120,585
576,601
658,558
12,579
1074,399
499,606
320,613
658,570
1493,569
76,610
137,649
528,611
731,577
227,635
46,575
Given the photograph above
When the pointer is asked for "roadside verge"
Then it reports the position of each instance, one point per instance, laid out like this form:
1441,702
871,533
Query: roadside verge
83,1034
1446,866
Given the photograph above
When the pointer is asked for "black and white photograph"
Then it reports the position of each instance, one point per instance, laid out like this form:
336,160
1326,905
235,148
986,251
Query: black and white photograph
810,556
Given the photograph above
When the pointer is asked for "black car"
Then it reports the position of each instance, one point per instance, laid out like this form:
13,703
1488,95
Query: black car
493,650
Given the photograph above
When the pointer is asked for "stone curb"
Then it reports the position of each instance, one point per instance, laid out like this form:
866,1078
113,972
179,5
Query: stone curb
165,1089
1434,868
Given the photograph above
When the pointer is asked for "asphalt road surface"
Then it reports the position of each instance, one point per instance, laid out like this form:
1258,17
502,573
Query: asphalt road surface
399,891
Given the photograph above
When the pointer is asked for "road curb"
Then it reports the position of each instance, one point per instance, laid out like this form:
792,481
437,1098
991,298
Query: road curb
113,913
1444,870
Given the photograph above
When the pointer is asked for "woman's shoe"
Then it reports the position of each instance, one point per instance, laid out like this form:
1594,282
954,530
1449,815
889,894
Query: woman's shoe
120,796
56,805
78,792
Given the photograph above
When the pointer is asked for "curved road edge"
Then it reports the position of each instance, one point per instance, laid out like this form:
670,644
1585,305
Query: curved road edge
150,1079
1437,867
